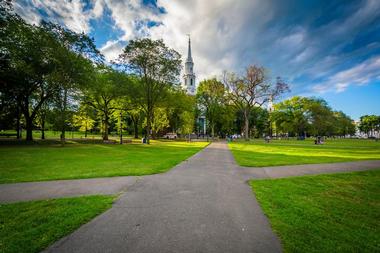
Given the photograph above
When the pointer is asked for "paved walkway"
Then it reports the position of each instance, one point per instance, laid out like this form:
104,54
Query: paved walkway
201,205
64,188
307,169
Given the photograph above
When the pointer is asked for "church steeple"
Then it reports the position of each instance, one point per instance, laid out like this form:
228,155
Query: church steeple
189,58
189,76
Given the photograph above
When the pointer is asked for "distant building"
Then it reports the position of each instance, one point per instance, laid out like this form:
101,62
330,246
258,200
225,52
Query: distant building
189,76
189,86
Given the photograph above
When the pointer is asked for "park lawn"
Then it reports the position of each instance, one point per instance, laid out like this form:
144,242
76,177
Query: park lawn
33,226
47,162
324,213
257,153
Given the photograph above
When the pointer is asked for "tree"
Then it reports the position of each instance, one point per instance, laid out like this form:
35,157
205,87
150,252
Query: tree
343,125
157,66
302,116
83,120
74,58
211,97
40,63
252,90
159,122
369,123
177,102
187,123
103,93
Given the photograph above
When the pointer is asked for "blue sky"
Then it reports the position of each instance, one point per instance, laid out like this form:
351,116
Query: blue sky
328,49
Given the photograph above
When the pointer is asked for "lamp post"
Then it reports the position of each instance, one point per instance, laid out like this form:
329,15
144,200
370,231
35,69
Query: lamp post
121,130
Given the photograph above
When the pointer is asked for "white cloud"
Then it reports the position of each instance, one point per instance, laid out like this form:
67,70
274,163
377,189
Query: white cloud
69,13
112,49
229,34
360,74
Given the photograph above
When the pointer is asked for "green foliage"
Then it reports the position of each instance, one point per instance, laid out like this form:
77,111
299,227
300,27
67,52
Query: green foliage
211,98
33,226
157,66
187,122
302,116
369,123
41,63
326,213
160,120
83,121
178,102
102,95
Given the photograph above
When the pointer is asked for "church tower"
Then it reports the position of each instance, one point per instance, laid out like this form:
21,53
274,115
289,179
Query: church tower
189,76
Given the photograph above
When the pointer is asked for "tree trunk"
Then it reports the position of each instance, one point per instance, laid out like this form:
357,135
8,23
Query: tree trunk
246,124
149,123
63,117
105,136
29,128
43,129
148,129
135,129
18,123
85,131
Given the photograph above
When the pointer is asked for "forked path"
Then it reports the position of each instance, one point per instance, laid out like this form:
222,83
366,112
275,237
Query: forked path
202,205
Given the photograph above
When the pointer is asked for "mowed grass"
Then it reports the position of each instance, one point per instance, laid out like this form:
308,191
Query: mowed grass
46,162
257,153
325,213
33,226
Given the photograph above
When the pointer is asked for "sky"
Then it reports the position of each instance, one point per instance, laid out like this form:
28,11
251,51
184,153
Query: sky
327,49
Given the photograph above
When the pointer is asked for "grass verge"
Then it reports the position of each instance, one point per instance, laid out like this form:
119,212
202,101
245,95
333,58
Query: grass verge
46,162
257,153
324,213
33,226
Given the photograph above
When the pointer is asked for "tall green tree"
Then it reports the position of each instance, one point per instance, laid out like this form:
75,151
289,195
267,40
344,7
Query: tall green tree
40,63
103,93
28,58
369,123
157,67
75,57
211,98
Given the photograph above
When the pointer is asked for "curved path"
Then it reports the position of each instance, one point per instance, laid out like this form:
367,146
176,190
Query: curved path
202,205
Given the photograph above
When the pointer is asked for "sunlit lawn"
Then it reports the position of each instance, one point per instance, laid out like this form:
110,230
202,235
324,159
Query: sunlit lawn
32,226
285,152
325,213
49,162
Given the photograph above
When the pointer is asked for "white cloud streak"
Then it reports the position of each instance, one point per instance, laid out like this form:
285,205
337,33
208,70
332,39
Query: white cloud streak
360,74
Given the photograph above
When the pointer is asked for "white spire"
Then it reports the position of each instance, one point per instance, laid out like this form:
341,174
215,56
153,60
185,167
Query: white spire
189,76
189,58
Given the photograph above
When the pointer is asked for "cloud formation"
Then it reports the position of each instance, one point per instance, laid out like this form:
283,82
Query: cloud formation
318,46
360,74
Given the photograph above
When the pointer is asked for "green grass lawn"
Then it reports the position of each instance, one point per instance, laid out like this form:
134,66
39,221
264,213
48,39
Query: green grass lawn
33,226
56,134
325,213
46,162
257,153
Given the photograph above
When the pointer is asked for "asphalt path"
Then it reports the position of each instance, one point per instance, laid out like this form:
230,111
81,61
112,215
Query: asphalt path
202,205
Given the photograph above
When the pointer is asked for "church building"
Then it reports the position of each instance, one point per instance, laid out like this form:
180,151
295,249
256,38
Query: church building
189,76
189,86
